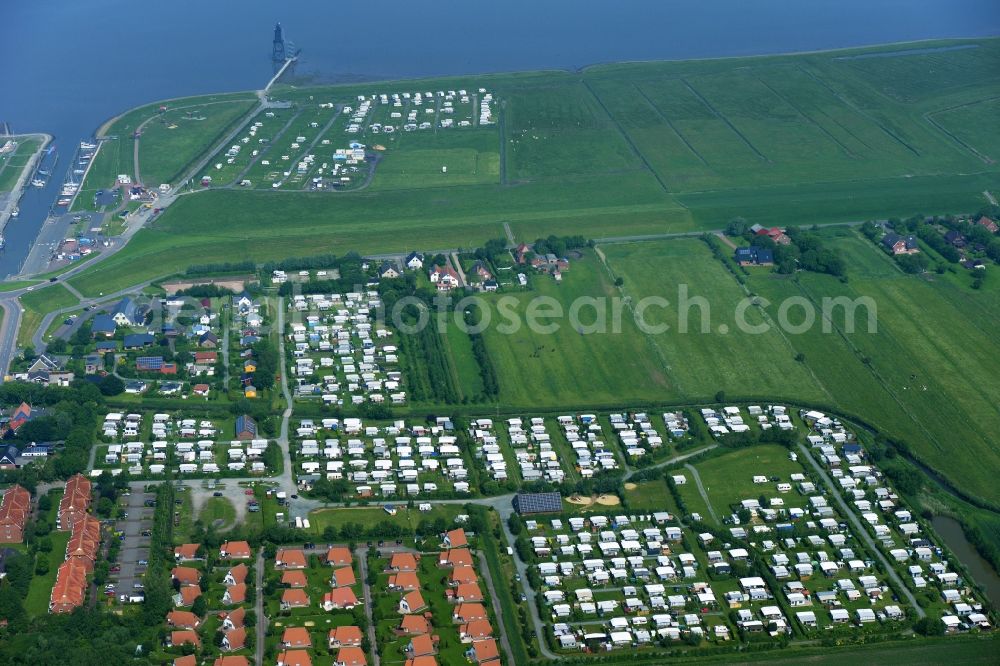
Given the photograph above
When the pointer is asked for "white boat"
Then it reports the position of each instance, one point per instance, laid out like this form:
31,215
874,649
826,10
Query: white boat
87,146
38,182
15,212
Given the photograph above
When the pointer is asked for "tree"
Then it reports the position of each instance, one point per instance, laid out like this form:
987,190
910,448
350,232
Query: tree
111,385
200,606
737,227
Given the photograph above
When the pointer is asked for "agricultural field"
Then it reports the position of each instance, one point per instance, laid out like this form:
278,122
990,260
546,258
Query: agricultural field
710,352
639,148
569,367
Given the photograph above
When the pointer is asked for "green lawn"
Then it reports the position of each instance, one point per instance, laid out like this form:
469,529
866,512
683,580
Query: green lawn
649,496
37,304
40,590
13,163
218,509
181,134
368,517
728,478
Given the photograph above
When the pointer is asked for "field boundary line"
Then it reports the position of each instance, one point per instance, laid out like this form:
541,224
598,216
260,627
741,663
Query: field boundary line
843,100
859,354
649,338
718,114
808,118
625,136
929,117
669,122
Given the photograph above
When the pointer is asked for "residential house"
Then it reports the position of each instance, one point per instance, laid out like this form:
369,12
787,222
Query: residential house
103,325
294,578
246,427
403,562
234,619
8,456
413,624
235,594
186,575
388,270
774,233
294,598
444,277
290,558
187,552
294,658
900,244
138,341
350,656
341,598
484,651
988,224
127,313
14,513
339,556
183,620
414,261
345,636
296,637
234,639
70,588
343,577
466,613
412,602
235,550
754,256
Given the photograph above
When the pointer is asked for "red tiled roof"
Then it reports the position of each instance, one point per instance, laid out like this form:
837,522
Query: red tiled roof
348,635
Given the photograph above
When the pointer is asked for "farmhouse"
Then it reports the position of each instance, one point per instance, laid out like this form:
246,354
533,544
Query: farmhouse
900,244
754,256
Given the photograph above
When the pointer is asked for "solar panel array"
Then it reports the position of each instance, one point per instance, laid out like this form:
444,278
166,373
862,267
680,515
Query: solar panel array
538,503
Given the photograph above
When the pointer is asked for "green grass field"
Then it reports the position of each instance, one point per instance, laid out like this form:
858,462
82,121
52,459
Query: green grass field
13,163
37,600
728,478
116,153
218,510
368,517
622,149
185,131
570,367
708,353
37,304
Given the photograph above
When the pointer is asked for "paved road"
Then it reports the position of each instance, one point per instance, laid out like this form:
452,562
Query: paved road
8,332
670,461
366,589
701,491
862,532
261,627
497,610
285,480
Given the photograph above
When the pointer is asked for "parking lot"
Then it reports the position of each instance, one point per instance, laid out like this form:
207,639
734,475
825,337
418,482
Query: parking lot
135,543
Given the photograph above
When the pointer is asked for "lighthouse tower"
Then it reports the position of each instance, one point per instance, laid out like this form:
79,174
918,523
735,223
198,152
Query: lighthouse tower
278,49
